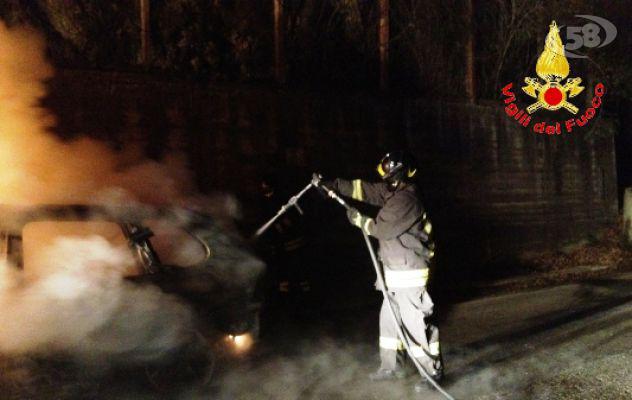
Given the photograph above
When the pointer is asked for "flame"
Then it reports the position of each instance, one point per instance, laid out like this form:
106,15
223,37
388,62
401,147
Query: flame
552,65
36,167
74,299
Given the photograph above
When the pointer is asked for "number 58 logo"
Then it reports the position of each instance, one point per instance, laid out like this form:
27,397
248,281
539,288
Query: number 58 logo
588,35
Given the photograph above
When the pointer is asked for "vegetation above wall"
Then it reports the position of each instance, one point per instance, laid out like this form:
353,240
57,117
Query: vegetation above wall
331,42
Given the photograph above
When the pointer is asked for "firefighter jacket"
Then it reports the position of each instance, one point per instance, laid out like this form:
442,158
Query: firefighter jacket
401,227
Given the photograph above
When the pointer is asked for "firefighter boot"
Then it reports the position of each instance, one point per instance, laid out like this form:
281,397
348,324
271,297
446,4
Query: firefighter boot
424,384
387,375
437,376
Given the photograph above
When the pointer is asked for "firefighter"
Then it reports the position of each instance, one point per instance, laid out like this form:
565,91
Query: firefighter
283,246
405,251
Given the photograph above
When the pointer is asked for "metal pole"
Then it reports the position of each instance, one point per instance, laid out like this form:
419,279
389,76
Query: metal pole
470,78
383,37
144,32
279,65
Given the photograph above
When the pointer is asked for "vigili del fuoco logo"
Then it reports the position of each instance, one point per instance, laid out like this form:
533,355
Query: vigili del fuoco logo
553,91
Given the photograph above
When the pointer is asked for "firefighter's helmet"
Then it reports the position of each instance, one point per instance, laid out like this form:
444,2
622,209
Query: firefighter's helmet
397,166
268,185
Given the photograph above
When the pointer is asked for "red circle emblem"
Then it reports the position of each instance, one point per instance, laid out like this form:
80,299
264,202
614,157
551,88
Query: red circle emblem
553,96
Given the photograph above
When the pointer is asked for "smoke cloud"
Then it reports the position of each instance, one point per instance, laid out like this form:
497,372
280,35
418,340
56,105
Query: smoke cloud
78,301
81,304
74,299
36,167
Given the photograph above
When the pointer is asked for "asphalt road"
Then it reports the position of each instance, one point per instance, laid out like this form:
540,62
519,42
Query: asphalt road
566,342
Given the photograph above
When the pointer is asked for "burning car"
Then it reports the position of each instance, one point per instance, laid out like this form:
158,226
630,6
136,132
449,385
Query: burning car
183,252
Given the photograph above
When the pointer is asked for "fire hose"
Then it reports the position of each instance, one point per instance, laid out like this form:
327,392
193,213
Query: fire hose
380,279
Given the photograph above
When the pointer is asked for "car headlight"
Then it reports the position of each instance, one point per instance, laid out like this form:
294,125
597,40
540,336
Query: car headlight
240,343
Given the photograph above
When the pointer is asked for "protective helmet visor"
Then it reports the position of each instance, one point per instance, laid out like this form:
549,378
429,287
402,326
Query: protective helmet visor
388,167
384,167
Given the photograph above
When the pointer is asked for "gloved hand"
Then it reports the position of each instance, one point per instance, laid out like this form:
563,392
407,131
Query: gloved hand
316,178
360,220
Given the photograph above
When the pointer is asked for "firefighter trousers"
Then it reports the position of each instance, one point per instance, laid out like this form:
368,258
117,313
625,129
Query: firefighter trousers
411,307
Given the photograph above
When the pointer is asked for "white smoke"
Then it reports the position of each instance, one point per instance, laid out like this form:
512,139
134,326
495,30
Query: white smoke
79,303
75,300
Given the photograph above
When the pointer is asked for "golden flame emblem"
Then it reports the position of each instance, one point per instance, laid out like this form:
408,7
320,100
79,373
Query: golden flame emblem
552,67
